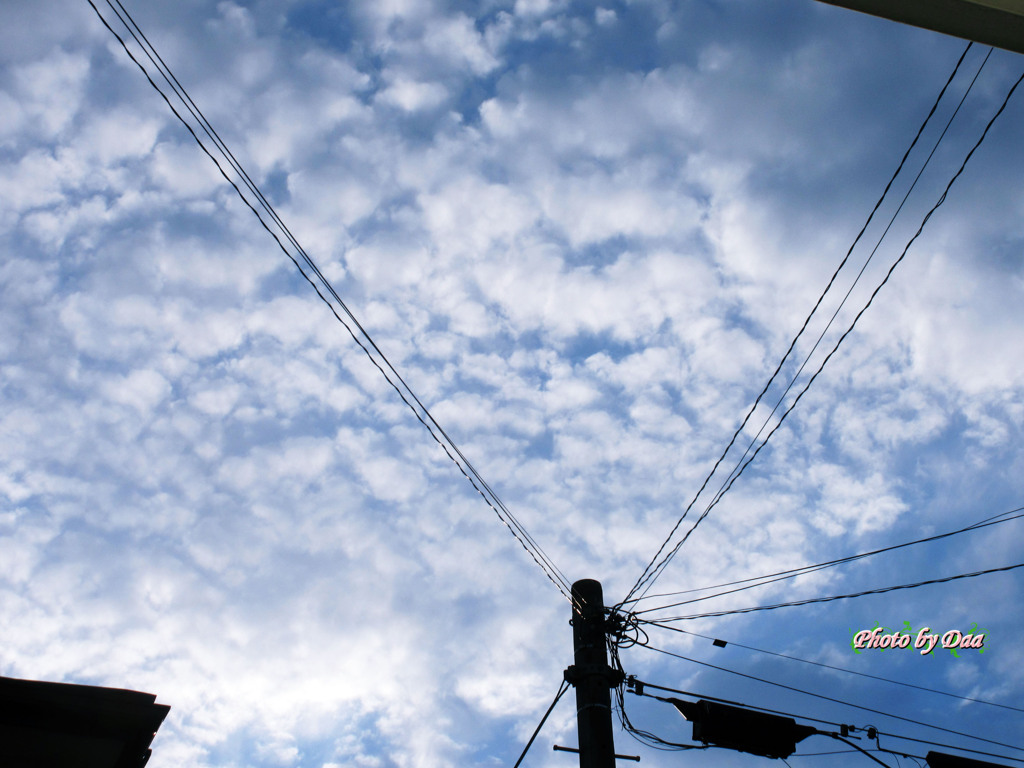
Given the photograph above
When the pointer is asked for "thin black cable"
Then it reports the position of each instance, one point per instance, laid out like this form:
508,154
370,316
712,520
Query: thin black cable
996,517
807,358
939,743
182,94
845,703
675,702
859,749
843,669
809,568
215,137
643,737
644,576
820,754
516,528
880,733
729,701
831,598
561,690
803,570
856,319
641,683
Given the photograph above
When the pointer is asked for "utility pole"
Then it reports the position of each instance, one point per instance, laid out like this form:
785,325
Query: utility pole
592,676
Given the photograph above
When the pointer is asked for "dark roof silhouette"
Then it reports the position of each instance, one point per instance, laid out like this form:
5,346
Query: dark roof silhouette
75,726
990,22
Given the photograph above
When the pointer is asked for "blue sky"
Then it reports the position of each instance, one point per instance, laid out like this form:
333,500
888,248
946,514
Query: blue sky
585,234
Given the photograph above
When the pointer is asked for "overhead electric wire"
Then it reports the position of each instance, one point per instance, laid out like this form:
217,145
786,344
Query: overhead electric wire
860,749
738,468
807,568
820,754
512,523
642,736
561,691
850,704
404,391
645,685
888,274
843,669
848,331
794,572
831,598
648,575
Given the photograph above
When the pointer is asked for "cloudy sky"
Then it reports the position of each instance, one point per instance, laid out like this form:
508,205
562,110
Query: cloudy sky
585,235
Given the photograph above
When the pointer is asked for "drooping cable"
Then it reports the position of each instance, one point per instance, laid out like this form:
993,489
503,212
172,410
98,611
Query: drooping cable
642,736
821,754
643,684
845,703
807,568
831,598
843,669
362,338
647,574
794,572
860,749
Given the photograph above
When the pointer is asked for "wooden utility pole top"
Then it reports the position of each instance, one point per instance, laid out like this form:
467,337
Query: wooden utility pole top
999,23
592,676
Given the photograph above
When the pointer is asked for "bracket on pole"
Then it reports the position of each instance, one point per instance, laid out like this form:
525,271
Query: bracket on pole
557,748
577,672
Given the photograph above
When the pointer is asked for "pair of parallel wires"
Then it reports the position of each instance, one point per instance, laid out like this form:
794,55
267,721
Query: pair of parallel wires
324,290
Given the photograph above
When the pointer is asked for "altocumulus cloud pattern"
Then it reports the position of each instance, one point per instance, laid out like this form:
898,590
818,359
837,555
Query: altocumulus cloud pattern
585,234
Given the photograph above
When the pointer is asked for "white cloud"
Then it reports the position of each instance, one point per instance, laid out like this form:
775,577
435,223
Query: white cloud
141,389
457,38
605,17
52,89
412,96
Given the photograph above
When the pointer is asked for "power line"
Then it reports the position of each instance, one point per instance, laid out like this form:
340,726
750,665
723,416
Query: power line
842,669
362,338
645,684
921,228
562,688
979,524
859,749
849,704
803,570
853,324
649,576
832,598
739,467
640,685
642,736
